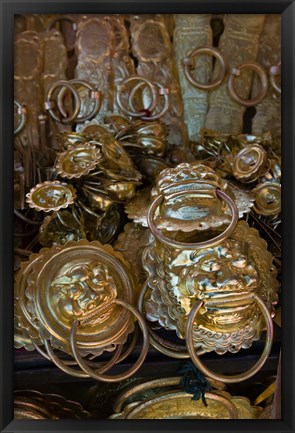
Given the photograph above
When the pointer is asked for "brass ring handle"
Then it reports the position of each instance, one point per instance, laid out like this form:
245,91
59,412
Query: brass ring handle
229,406
152,384
63,18
162,345
95,95
188,65
50,104
236,71
274,71
122,86
163,91
238,377
64,365
193,245
23,113
133,91
113,378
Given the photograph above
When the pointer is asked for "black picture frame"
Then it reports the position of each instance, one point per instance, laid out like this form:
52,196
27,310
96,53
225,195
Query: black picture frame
8,8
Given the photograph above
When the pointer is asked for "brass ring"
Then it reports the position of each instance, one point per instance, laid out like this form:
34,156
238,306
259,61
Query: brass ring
231,408
236,72
22,111
163,91
238,377
94,95
188,65
64,365
274,71
122,86
49,104
193,245
114,378
162,345
133,91
122,398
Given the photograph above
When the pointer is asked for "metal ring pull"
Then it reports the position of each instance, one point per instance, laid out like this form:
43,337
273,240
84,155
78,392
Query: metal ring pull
113,378
123,86
162,345
194,245
163,91
189,65
154,92
50,104
274,71
22,111
238,377
236,73
95,95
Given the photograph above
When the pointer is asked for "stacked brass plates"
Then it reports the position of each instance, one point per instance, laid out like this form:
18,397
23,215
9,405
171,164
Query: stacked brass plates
216,287
29,404
164,399
77,298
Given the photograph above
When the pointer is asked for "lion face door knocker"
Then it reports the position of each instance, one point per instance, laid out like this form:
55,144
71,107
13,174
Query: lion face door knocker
77,298
216,287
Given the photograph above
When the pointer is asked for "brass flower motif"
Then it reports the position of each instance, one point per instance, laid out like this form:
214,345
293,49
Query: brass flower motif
78,161
51,196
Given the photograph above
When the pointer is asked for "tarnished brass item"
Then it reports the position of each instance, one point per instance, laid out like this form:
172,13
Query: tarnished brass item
22,112
156,90
275,71
193,31
236,71
188,63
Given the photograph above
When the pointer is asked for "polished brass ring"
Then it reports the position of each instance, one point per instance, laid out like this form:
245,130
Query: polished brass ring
189,65
113,378
193,245
163,91
274,71
236,73
95,95
50,104
238,377
121,88
65,365
162,345
23,113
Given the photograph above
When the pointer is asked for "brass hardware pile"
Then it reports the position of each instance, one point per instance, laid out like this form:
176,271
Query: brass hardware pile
137,204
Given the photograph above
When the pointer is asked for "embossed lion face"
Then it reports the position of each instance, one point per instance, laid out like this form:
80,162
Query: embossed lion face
82,289
222,277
